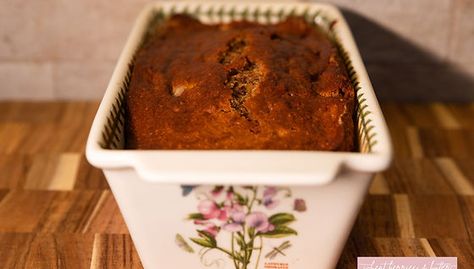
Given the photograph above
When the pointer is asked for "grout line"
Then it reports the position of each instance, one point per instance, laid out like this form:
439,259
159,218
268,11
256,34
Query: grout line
404,217
427,247
456,178
95,211
414,142
445,117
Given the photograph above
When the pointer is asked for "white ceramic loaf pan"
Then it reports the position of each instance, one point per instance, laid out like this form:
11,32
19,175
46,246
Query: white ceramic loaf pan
242,208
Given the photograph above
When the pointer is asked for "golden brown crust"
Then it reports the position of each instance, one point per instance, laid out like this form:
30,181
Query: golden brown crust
239,86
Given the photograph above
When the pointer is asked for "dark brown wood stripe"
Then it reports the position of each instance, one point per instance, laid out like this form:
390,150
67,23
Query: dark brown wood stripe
462,249
437,216
89,177
114,251
377,217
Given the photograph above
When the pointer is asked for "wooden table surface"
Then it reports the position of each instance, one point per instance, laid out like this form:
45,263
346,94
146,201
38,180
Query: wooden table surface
56,211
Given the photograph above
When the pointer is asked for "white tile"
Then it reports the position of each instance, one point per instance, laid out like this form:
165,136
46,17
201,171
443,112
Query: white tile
83,80
462,45
425,23
25,80
61,29
26,30
93,29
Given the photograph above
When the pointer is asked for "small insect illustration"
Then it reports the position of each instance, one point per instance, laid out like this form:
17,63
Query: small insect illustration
179,240
187,189
278,250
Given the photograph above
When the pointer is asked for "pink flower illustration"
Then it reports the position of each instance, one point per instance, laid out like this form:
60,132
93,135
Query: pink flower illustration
239,211
232,227
230,194
209,227
270,191
268,197
259,221
217,191
223,215
209,209
237,217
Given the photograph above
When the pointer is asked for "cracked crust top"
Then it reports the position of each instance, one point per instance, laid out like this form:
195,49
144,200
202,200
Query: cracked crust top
239,86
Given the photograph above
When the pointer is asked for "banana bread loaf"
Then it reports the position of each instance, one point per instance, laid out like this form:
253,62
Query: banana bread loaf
240,85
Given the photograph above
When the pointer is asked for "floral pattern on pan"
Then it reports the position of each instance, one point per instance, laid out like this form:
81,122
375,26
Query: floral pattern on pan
237,221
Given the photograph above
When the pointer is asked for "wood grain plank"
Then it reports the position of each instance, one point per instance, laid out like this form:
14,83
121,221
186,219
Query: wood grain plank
89,177
57,251
12,136
462,249
417,176
401,143
427,247
28,111
74,125
377,217
357,245
401,247
58,209
41,139
420,115
437,216
3,193
445,117
463,114
29,250
404,216
396,115
20,211
71,213
49,212
399,120
379,185
466,204
14,169
466,167
64,177
14,248
106,217
81,212
454,175
114,251
42,171
447,142
65,131
414,142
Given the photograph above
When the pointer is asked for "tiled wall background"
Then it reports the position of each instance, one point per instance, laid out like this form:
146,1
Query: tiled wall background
59,49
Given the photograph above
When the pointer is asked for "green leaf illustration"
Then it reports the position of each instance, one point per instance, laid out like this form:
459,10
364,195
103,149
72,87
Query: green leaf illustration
240,199
281,219
251,232
279,231
195,216
240,242
208,237
202,242
181,242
